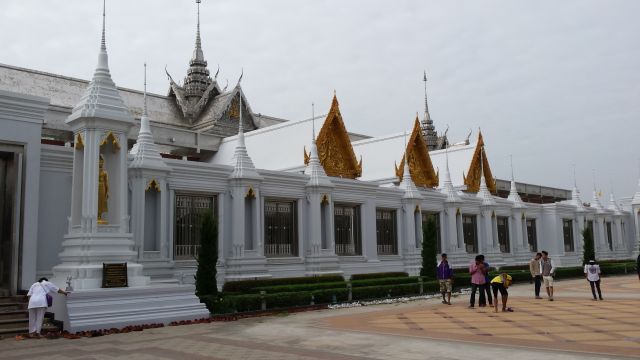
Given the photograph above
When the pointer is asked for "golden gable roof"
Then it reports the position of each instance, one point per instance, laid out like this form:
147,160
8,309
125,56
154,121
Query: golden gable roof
472,177
420,165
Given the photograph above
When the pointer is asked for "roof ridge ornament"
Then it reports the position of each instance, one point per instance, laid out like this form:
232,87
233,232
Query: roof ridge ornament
483,192
478,168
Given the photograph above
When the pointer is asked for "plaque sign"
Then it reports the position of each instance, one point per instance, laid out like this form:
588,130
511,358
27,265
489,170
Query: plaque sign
114,275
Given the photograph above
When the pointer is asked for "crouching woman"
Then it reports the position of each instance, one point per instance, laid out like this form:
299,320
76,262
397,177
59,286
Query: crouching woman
38,303
500,284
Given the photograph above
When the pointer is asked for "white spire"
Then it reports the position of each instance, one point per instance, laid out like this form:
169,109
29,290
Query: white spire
575,193
447,186
636,196
243,167
513,192
410,189
101,99
317,176
595,202
144,151
613,205
484,193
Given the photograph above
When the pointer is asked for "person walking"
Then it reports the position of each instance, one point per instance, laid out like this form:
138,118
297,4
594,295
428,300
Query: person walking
476,269
444,273
548,270
500,284
592,273
535,268
487,286
38,304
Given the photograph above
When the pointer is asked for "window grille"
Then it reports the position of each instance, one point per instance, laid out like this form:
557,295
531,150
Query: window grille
386,232
280,228
470,233
347,230
503,234
532,235
567,231
189,212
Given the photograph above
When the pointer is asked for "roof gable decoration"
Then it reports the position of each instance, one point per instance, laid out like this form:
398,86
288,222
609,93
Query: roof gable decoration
479,166
420,165
334,147
232,105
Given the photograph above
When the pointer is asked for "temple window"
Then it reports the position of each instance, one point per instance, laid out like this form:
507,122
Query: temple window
435,216
470,233
609,235
503,234
567,231
386,232
532,236
189,213
280,228
347,230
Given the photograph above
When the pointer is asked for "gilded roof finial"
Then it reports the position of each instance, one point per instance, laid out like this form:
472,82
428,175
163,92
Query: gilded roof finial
313,122
103,44
426,104
198,41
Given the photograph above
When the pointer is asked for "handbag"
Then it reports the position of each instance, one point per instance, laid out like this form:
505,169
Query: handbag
49,297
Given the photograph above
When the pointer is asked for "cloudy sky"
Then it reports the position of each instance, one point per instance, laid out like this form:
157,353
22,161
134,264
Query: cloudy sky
551,82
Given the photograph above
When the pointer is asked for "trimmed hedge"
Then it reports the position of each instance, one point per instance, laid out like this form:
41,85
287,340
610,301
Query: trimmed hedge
248,286
368,276
253,302
385,281
301,287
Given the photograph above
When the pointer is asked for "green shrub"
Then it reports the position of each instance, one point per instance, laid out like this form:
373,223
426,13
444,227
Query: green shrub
588,250
514,267
205,277
377,292
378,275
249,286
385,281
326,296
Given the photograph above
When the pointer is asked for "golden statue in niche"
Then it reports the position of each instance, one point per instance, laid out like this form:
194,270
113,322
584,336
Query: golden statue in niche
103,191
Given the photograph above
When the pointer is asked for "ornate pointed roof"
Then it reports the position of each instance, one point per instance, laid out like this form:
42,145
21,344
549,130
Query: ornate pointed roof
243,167
334,146
198,87
101,99
420,165
479,163
576,200
144,151
595,201
317,175
483,192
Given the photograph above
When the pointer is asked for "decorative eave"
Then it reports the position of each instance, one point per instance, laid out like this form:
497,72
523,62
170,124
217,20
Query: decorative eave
472,177
420,165
334,147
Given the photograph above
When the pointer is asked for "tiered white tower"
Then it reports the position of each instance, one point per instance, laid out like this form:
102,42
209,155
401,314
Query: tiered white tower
247,260
320,250
488,223
411,221
453,233
100,123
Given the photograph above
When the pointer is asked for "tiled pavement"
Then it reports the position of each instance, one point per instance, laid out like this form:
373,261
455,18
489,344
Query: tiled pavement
572,327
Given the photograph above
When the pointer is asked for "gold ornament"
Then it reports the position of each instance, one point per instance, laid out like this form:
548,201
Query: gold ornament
103,192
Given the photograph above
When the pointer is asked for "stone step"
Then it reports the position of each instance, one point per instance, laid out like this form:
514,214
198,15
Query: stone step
13,299
22,330
12,306
14,314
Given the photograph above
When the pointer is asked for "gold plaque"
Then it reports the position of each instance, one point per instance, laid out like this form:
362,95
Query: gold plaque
114,275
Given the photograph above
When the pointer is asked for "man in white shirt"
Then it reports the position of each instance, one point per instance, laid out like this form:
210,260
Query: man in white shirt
592,273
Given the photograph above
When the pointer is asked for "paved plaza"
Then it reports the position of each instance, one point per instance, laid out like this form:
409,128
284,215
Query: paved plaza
572,327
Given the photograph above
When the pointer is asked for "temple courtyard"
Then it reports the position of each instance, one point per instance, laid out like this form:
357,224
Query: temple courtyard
572,327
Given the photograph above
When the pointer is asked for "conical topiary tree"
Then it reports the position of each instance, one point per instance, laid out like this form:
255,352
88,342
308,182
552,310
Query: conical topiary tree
429,252
588,250
206,284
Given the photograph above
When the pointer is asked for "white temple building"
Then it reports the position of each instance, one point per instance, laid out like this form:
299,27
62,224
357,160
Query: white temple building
91,174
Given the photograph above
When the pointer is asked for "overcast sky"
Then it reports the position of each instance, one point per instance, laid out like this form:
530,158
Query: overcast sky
551,82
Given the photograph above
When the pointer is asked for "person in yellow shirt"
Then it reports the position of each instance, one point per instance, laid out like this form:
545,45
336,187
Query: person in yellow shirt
500,284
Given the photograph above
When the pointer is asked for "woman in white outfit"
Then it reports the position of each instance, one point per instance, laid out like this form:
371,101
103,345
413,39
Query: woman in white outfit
38,303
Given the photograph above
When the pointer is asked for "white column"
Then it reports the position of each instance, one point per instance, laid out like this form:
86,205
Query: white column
237,219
